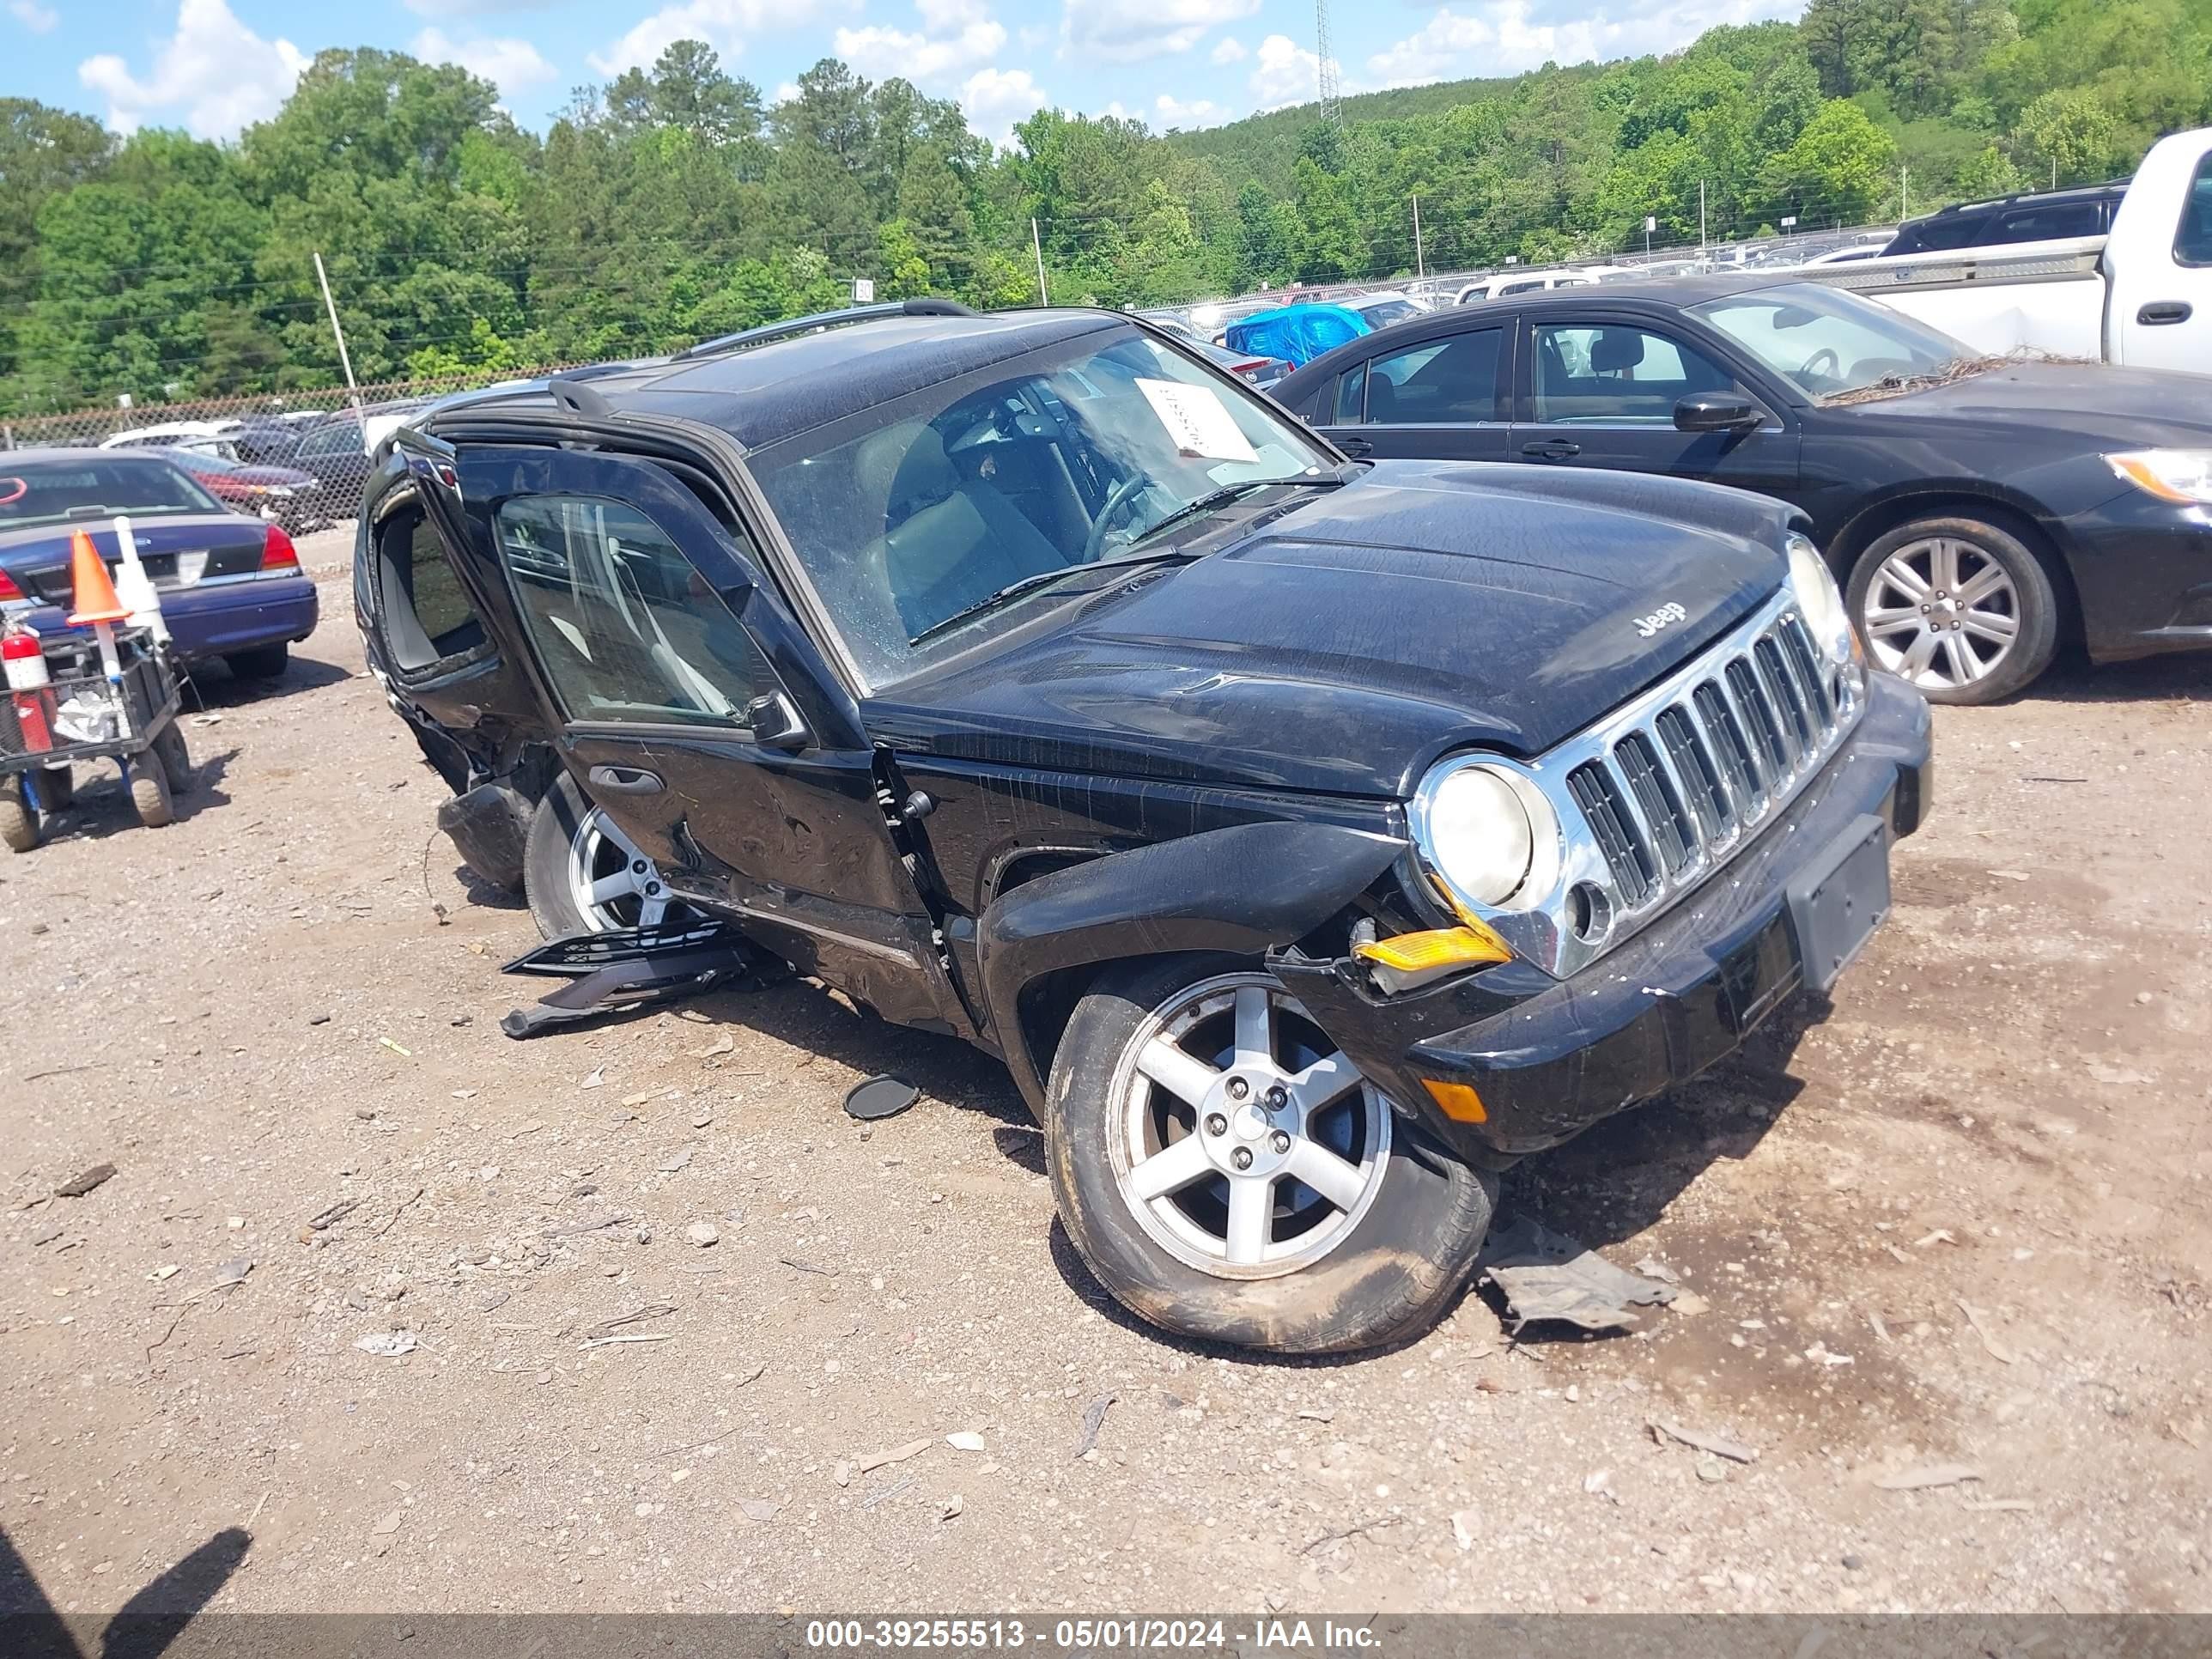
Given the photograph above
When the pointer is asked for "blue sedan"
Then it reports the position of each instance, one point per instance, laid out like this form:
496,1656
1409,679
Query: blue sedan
230,585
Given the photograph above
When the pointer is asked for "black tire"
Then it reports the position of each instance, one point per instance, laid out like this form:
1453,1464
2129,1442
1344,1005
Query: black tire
57,789
545,860
1392,1276
174,758
149,791
264,662
20,831
2035,641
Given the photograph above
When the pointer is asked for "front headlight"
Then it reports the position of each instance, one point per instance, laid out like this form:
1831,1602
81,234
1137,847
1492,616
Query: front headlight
2183,477
1489,833
1819,601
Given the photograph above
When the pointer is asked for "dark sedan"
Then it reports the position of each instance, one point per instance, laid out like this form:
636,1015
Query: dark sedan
230,586
1979,511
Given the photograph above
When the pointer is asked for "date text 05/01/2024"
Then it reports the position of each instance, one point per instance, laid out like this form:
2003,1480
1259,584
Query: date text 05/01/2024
1086,1635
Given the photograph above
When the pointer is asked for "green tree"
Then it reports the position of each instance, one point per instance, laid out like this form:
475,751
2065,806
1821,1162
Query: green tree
2069,135
1839,172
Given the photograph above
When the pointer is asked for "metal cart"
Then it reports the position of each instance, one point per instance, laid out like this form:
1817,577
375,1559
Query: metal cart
81,716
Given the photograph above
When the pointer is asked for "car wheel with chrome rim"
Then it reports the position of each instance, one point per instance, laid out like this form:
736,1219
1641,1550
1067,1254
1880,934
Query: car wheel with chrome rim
1961,608
582,874
1228,1173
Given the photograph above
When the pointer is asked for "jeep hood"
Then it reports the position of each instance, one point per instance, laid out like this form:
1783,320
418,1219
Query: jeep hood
1348,642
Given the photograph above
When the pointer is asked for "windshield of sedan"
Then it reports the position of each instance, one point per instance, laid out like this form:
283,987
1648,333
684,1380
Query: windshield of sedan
929,522
57,491
1825,341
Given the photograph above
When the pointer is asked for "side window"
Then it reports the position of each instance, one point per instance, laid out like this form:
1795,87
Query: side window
1617,375
1350,396
2192,238
339,438
1453,381
426,613
2050,224
628,630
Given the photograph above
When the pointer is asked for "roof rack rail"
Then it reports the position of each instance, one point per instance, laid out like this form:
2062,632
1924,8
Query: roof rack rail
820,319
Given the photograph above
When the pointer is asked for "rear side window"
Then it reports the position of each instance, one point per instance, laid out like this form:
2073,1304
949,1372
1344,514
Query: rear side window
2192,241
1935,235
627,629
426,614
1351,396
1453,381
2052,222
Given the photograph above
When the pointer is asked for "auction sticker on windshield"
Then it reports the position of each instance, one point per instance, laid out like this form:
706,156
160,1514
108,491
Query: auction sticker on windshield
1198,420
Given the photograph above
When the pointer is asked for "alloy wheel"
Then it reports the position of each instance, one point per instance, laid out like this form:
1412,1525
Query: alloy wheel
1941,612
614,884
1246,1144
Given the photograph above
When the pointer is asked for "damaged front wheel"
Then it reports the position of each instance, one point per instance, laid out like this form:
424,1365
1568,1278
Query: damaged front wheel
1228,1173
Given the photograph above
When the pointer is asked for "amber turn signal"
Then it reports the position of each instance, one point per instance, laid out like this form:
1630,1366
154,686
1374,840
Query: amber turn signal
1412,960
1456,1101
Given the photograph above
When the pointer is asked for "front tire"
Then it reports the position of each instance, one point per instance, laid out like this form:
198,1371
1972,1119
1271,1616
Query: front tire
263,662
1962,609
149,791
582,874
20,831
1302,1214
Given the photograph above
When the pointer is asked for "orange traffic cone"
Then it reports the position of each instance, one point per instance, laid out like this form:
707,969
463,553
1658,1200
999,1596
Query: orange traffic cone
91,588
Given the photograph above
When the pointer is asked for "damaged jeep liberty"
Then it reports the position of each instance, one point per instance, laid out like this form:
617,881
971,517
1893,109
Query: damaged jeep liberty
1310,839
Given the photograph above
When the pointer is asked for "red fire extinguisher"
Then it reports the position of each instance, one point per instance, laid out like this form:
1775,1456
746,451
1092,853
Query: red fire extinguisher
29,686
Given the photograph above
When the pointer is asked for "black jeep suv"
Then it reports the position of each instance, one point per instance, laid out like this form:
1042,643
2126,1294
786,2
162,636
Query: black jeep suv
1311,840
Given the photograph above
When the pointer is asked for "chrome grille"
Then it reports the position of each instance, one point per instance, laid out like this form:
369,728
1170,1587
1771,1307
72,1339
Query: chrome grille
1710,760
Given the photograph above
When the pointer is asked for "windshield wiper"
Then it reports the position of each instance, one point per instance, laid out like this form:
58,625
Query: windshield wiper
1222,497
1012,590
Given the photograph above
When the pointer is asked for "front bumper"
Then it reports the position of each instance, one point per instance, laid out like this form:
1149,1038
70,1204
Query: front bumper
1548,1057
2143,569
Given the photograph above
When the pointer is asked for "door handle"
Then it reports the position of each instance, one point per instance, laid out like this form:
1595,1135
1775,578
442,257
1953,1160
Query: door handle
1357,448
2159,311
626,780
1553,449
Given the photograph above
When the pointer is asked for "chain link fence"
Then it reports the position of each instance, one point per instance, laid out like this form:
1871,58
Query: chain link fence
299,459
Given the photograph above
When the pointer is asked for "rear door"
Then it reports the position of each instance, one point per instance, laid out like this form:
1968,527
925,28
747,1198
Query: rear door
695,713
1442,397
1599,388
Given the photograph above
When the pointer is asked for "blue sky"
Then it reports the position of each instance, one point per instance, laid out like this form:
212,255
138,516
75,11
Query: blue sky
212,66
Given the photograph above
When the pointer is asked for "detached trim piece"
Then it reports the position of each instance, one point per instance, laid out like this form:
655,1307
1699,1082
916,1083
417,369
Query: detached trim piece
1247,889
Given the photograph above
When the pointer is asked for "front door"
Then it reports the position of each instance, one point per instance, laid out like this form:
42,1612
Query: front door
694,712
1602,393
1441,398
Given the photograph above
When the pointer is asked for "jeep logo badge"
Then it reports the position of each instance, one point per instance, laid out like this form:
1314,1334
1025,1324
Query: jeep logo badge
1665,615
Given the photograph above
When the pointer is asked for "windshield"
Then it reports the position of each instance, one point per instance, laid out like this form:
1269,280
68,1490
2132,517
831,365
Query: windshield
915,513
54,492
1825,341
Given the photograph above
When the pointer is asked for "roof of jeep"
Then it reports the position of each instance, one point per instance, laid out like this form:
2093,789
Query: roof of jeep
760,393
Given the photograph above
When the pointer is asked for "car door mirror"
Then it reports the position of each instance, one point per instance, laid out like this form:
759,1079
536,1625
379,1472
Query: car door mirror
775,723
1715,411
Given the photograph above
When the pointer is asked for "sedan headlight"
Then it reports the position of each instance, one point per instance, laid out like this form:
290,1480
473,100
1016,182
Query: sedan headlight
2183,477
1489,833
1819,602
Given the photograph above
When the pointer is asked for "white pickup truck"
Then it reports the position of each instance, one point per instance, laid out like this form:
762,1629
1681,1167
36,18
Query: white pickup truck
2142,295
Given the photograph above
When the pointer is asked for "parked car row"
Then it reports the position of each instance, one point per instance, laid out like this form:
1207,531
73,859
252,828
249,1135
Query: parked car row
1310,837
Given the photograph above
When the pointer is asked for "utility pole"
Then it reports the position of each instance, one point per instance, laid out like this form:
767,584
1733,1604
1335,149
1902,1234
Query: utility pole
1420,261
1903,193
345,362
1326,65
1701,216
1037,246
2054,172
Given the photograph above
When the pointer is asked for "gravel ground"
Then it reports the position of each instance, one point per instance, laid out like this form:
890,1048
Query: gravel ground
1961,1223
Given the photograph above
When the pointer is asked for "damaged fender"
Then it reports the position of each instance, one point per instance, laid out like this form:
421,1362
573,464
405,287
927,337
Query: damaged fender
1245,889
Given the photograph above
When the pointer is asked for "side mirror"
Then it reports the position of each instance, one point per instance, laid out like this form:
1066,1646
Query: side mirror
775,723
1717,411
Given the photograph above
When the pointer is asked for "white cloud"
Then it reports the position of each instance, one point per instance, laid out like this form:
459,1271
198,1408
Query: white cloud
216,72
32,15
1127,31
960,36
1287,73
724,25
1230,50
994,98
508,62
1172,111
473,8
1506,37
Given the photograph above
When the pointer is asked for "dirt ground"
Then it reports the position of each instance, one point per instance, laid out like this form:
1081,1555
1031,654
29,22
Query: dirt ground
1961,1223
